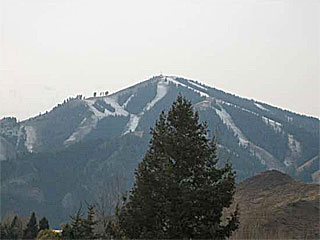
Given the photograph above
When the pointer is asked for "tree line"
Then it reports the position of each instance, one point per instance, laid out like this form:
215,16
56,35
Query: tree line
15,230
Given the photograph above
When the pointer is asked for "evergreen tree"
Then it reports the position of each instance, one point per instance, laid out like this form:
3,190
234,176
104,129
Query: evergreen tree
16,228
43,224
11,230
83,228
31,231
77,225
5,231
112,229
67,232
89,223
179,192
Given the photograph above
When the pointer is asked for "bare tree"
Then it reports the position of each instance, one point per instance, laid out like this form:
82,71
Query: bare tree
107,198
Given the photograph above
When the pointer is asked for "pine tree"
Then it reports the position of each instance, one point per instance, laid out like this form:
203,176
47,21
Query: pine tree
31,231
3,231
16,228
43,224
179,192
67,232
11,230
83,228
112,229
89,223
77,225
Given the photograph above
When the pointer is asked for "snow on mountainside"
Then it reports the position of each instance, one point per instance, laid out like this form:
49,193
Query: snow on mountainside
250,123
261,107
87,125
162,89
227,120
173,80
31,138
264,156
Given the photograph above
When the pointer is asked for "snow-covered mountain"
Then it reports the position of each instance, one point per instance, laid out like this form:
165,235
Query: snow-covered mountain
78,119
254,136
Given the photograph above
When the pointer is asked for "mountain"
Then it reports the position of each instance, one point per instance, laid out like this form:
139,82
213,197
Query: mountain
88,146
275,206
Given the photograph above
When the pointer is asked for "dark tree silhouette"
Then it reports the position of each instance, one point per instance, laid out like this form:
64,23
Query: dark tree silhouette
179,192
31,231
43,224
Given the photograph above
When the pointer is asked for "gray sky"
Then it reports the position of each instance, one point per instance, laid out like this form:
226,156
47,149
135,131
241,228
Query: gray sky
267,50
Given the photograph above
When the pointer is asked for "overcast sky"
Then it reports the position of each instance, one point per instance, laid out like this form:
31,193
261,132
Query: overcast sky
267,50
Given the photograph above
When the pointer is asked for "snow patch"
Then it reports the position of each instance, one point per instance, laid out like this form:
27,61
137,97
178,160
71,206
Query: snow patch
294,151
261,107
20,135
132,124
203,105
227,120
264,156
31,138
162,90
84,128
233,105
289,119
88,124
197,85
170,79
128,100
119,110
307,164
275,125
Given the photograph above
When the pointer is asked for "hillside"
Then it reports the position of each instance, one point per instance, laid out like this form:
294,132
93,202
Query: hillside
82,146
273,205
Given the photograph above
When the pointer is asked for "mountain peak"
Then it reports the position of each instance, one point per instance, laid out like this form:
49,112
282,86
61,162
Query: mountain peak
170,81
255,130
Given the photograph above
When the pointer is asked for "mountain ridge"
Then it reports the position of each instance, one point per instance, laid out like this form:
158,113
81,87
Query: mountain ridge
102,140
116,105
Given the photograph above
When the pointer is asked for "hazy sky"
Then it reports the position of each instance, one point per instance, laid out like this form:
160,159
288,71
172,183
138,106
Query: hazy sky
267,50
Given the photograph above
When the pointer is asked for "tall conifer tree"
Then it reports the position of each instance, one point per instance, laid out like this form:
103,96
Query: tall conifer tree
31,231
89,223
43,224
179,192
16,228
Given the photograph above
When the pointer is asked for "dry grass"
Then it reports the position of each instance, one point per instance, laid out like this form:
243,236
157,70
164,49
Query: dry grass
275,206
255,229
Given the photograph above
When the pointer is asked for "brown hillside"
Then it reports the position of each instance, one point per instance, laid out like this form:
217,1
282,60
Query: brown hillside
275,206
